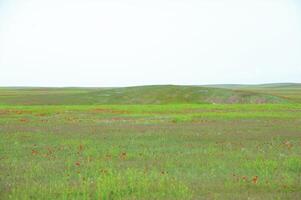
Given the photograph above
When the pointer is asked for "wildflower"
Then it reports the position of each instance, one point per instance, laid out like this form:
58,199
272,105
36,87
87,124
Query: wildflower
34,152
255,179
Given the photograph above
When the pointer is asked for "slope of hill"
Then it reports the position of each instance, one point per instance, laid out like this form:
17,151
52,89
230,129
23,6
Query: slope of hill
289,91
257,86
159,94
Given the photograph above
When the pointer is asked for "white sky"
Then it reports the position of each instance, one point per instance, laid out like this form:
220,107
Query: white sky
137,42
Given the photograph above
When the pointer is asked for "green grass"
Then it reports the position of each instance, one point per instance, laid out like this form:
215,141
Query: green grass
151,142
174,151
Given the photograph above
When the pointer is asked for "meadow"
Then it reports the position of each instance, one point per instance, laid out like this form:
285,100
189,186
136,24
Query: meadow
168,151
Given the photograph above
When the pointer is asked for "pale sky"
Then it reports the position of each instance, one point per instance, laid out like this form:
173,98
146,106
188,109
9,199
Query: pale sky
139,42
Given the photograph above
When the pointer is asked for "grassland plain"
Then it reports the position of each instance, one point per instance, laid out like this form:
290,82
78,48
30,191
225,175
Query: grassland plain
184,151
170,151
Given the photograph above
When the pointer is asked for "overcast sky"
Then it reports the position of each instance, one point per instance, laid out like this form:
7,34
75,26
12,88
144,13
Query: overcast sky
138,42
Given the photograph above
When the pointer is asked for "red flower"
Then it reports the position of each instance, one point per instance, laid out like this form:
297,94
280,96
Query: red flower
34,152
255,179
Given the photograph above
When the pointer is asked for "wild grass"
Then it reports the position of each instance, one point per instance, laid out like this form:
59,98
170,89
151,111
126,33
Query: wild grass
185,151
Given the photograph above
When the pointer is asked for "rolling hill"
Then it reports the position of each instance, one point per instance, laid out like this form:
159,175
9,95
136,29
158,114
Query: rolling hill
157,94
289,91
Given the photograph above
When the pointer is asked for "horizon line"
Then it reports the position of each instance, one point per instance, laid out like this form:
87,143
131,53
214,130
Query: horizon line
214,84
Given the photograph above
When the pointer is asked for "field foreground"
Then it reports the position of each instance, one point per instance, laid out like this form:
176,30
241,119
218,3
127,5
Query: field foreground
150,152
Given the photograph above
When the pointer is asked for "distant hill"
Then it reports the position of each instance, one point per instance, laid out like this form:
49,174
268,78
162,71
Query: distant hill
289,91
157,94
280,85
259,86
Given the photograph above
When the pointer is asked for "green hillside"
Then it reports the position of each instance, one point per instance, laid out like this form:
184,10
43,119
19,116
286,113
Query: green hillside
159,94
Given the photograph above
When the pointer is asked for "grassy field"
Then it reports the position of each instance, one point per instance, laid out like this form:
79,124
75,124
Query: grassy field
170,151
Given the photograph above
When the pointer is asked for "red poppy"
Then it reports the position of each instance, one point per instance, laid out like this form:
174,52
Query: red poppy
255,179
